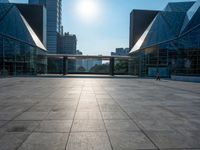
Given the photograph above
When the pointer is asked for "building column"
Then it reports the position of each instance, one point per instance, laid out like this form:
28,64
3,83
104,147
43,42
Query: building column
65,65
112,66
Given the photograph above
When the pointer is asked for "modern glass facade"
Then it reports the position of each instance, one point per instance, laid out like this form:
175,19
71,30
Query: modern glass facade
171,43
139,21
19,58
35,15
54,17
21,51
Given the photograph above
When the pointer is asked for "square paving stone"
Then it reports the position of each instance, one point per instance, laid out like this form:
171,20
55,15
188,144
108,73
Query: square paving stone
88,100
54,126
32,116
11,141
17,108
190,114
88,125
106,102
193,137
7,116
104,96
64,107
88,141
169,139
110,108
66,115
121,125
57,95
21,126
74,96
2,132
67,102
114,115
180,149
41,108
183,124
88,106
2,123
45,141
50,102
84,96
154,125
81,115
88,103
125,140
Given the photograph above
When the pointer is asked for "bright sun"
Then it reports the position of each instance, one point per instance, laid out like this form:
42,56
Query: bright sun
88,10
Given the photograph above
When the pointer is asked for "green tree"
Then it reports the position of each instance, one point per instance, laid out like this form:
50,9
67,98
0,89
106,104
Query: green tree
81,69
121,66
104,68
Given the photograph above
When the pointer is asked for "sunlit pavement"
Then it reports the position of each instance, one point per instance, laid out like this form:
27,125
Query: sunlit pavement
98,114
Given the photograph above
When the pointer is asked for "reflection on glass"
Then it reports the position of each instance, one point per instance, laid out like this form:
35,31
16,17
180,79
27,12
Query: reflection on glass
87,65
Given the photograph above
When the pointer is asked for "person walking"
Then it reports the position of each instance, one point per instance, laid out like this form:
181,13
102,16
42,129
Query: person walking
158,76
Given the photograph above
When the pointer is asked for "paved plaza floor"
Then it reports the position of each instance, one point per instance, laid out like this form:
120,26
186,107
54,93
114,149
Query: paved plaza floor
98,114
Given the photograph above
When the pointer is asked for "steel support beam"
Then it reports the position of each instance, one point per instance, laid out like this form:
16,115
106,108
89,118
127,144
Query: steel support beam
112,66
65,65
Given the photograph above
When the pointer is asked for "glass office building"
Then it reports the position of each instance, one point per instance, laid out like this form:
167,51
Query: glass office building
54,18
21,51
171,43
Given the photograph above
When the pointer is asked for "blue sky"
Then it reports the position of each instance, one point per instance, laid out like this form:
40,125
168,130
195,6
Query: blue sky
110,29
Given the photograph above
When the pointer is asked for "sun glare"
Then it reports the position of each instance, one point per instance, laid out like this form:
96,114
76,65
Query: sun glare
88,10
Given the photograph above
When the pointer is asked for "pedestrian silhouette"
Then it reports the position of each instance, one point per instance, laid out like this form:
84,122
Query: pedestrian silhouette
158,76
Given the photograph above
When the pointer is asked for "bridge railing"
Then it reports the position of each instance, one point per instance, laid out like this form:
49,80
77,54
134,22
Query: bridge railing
81,64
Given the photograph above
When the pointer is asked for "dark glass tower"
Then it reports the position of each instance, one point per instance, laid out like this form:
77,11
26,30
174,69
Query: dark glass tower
54,13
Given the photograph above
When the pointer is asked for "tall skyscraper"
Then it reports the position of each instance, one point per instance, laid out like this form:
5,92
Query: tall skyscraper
120,52
54,17
67,44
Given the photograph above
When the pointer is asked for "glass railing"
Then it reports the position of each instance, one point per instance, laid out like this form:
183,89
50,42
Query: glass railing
100,65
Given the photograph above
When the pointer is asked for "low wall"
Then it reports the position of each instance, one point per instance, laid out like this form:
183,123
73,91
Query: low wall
186,78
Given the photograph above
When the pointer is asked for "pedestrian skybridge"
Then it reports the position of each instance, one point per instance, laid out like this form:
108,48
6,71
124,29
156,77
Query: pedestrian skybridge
88,64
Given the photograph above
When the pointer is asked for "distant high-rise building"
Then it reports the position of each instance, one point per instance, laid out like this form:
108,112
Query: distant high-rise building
89,63
139,21
120,52
54,25
67,44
